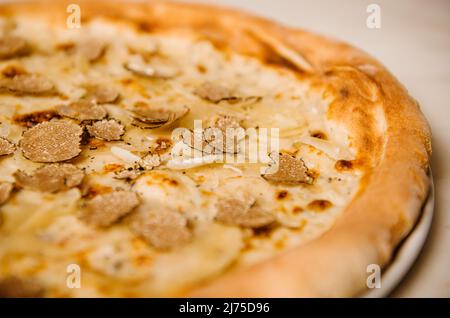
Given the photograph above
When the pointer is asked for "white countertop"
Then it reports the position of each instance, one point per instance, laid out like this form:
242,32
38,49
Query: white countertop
414,43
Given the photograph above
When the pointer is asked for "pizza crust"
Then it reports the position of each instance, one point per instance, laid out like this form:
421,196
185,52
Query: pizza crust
388,131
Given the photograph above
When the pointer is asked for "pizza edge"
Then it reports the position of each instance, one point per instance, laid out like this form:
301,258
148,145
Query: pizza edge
394,159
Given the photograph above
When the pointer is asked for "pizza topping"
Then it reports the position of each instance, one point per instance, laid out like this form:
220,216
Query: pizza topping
107,130
52,141
214,93
91,49
6,147
51,178
5,191
231,133
82,110
242,210
150,161
106,209
290,170
149,117
223,136
12,46
28,84
14,287
128,174
163,230
138,66
102,94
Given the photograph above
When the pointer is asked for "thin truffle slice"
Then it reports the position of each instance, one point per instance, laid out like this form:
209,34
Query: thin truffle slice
52,141
242,211
290,170
214,92
163,230
138,66
6,147
108,130
106,209
102,94
50,178
27,84
82,110
149,117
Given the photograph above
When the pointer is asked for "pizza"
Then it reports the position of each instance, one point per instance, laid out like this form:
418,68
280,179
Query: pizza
160,149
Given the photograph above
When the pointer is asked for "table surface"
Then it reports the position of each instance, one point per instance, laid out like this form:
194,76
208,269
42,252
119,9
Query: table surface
414,43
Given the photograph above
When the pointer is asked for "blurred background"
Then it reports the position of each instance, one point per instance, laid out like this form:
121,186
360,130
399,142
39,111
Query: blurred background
413,41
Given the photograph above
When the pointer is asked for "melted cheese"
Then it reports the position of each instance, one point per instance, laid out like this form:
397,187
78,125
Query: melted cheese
41,233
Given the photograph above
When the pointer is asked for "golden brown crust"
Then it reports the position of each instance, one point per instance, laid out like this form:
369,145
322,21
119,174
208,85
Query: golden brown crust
388,130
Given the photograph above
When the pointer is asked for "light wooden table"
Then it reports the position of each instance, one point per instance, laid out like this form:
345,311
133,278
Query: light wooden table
414,43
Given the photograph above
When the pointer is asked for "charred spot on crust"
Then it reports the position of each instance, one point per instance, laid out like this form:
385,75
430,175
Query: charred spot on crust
344,92
344,165
31,119
145,26
319,205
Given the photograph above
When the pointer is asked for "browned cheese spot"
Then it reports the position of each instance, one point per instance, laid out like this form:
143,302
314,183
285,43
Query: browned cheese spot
31,119
319,135
52,141
108,130
50,178
106,209
319,205
82,110
163,230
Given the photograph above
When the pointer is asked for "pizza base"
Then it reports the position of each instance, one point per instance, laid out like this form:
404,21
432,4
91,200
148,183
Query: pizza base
389,132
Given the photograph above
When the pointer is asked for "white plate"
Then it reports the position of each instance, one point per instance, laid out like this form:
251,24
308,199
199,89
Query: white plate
408,251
